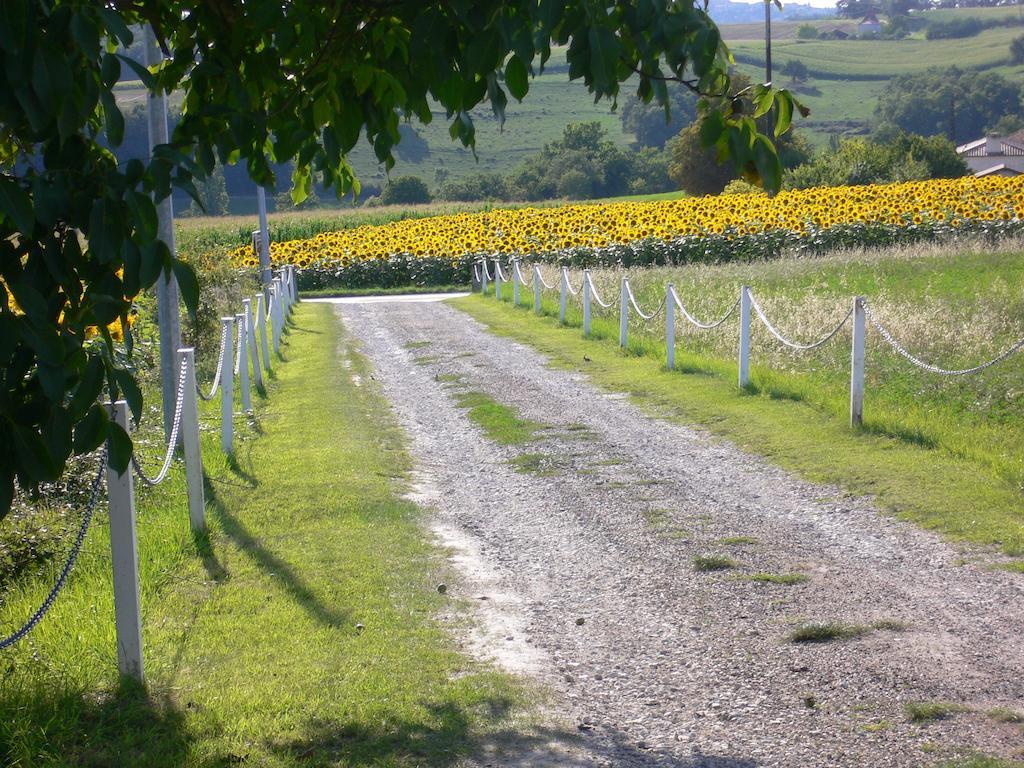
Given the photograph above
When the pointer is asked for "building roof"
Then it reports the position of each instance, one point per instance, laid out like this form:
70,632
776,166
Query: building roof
871,19
971,145
996,169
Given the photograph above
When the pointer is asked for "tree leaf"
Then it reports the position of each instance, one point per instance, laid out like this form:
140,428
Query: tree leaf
17,206
517,77
188,285
113,120
130,388
783,114
120,446
90,385
90,430
143,73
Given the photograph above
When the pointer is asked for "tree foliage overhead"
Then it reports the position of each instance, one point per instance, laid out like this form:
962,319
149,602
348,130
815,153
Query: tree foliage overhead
263,82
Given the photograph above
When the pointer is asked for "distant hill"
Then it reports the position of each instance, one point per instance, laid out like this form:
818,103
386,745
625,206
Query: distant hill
728,12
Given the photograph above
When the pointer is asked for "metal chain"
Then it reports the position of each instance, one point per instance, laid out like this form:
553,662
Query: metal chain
476,273
793,345
632,300
76,548
487,272
519,273
543,281
594,294
568,285
884,333
499,272
172,441
220,364
704,326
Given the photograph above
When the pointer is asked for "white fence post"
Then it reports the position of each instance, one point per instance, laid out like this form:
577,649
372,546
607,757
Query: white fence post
515,282
243,363
254,347
564,295
586,303
670,326
624,313
536,289
275,313
190,442
227,388
483,277
279,309
124,554
261,323
497,280
857,364
744,352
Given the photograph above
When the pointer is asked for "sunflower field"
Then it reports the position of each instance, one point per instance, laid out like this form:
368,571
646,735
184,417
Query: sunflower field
442,249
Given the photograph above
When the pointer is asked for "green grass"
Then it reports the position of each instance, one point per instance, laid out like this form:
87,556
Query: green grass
787,579
1006,715
498,421
825,632
929,711
931,447
982,761
705,563
253,650
882,59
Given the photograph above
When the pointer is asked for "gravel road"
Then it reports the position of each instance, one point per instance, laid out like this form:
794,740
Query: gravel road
583,570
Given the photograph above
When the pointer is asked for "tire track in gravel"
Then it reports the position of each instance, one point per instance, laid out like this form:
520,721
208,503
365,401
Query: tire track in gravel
674,667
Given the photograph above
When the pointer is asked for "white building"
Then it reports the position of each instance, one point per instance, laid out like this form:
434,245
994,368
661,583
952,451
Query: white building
995,155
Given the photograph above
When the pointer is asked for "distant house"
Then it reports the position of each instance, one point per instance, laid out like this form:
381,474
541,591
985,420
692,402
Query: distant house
870,26
994,155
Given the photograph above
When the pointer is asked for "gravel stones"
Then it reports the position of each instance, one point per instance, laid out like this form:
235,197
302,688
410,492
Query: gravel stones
678,667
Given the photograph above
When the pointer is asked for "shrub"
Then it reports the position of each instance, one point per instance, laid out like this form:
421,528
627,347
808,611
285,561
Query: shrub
954,28
807,32
405,190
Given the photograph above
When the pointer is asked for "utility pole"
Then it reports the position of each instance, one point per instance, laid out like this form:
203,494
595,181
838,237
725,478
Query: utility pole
168,312
768,63
265,272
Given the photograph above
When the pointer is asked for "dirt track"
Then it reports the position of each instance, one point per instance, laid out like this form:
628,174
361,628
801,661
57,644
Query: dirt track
670,666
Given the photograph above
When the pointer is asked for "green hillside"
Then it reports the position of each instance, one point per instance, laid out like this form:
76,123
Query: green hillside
881,59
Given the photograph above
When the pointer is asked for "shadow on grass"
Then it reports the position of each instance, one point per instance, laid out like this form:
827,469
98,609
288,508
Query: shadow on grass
446,736
127,726
270,563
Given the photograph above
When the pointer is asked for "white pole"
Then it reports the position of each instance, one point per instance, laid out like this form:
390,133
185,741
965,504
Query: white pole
243,362
190,440
265,271
227,389
261,324
586,303
670,326
624,313
515,282
168,317
564,294
254,347
497,280
295,284
857,364
744,354
483,277
536,289
275,299
124,554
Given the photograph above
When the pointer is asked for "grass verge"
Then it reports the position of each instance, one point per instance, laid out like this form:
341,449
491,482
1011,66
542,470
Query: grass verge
927,711
926,485
300,631
825,632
